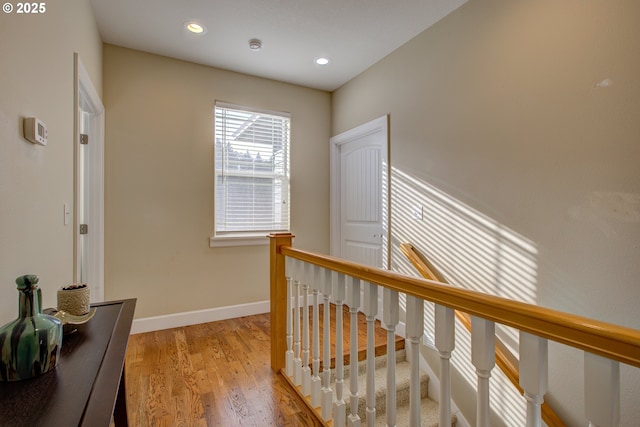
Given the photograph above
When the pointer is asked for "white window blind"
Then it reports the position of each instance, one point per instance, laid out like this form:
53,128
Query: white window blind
251,171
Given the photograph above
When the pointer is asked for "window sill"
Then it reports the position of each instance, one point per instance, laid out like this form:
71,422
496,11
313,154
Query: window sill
238,240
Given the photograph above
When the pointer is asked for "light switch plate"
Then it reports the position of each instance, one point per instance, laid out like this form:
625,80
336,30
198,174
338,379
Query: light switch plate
416,212
67,214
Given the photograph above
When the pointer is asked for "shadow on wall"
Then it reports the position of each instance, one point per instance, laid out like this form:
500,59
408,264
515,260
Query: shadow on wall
472,251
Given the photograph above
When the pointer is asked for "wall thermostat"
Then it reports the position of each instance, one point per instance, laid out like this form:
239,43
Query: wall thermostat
35,130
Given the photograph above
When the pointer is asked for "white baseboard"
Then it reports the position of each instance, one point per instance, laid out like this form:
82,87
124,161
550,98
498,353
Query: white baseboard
176,320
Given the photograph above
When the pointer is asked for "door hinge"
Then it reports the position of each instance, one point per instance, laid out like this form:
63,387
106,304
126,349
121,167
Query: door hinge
84,229
84,139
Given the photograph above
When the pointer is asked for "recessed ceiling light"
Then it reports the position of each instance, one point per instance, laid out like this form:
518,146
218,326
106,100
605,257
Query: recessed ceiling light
322,60
194,27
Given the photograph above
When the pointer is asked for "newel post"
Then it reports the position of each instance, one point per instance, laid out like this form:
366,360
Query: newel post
278,299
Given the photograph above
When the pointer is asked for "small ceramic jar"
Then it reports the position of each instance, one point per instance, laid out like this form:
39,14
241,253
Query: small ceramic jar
74,299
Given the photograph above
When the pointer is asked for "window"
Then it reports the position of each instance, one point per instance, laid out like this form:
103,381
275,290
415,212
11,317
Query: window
251,174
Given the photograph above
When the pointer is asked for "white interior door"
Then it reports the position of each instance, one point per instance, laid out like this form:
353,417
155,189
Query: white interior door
89,185
359,187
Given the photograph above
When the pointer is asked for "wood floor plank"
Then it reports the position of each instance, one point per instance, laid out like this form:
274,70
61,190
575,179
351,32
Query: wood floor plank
190,396
216,374
158,399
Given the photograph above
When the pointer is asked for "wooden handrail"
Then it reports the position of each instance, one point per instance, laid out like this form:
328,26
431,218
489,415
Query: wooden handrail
505,360
605,339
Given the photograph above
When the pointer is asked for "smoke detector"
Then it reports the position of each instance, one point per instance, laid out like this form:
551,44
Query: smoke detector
255,44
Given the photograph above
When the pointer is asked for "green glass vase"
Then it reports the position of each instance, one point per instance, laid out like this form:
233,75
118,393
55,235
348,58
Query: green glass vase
30,345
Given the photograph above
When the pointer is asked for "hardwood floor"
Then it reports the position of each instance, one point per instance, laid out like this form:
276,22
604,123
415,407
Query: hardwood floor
214,374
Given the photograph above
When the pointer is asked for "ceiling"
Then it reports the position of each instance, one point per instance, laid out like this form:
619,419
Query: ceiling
354,34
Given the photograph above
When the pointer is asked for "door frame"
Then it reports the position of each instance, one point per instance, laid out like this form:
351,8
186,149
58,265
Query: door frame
85,90
381,126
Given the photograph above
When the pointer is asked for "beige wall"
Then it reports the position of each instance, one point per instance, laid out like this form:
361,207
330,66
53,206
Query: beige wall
36,79
514,124
159,182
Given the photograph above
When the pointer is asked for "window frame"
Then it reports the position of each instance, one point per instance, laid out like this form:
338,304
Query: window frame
252,237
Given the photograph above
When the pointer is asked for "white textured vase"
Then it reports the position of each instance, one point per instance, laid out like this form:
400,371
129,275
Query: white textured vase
74,301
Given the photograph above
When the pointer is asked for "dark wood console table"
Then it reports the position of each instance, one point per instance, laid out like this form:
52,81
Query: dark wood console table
87,387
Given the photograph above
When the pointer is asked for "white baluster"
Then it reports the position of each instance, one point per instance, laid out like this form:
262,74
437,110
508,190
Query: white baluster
327,393
339,406
601,391
370,311
289,353
316,383
483,357
297,360
390,318
445,343
306,370
533,375
353,301
415,330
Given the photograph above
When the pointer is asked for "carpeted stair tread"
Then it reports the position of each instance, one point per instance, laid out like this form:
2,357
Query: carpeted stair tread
428,407
428,414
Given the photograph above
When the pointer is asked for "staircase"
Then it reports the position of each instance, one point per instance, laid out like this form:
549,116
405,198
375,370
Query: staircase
428,407
300,277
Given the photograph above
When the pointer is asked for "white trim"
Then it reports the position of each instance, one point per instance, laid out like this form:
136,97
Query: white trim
176,320
85,90
237,240
381,124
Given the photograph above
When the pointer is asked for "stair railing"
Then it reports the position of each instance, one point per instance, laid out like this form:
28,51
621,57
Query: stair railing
605,345
505,360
